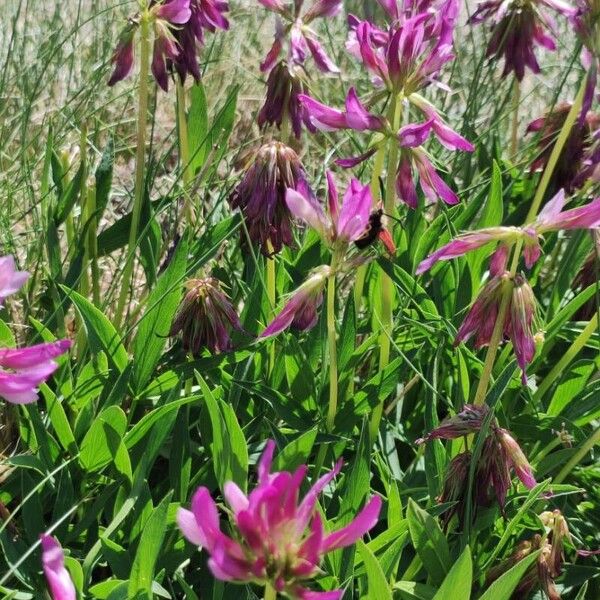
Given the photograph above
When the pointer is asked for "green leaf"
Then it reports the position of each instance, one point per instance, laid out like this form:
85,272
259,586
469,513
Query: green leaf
154,325
378,586
457,584
296,452
228,447
504,586
102,336
59,420
429,542
68,197
142,572
493,208
409,590
103,177
197,126
103,442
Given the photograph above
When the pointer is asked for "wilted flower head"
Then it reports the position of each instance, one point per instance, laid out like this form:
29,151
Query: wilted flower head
285,85
206,15
260,195
205,318
468,420
279,539
301,311
551,218
579,158
588,275
164,17
455,487
499,455
58,578
293,24
517,27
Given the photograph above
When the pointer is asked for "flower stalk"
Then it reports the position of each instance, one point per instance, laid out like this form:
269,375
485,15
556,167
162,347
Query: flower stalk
387,290
139,166
184,153
270,592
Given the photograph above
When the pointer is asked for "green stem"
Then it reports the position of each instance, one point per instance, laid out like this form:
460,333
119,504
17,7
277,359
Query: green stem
93,249
142,114
581,452
270,592
271,298
184,153
387,289
331,341
567,357
514,136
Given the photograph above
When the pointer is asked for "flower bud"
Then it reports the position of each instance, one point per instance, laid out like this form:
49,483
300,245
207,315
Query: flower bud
517,458
205,318
467,421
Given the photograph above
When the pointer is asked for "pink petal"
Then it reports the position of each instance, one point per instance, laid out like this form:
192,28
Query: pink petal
11,280
582,217
322,60
457,247
207,518
53,562
450,138
357,117
321,116
236,499
323,8
355,211
363,522
552,209
433,185
332,196
272,56
186,521
308,211
24,358
414,134
176,11
352,161
405,186
265,462
274,5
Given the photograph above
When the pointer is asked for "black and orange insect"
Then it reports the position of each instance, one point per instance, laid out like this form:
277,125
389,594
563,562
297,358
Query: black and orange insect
374,230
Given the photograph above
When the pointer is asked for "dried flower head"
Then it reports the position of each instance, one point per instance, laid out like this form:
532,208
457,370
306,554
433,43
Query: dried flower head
260,195
205,318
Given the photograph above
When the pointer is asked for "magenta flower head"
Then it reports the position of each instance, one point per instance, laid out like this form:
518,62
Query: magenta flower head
301,311
58,578
23,370
579,158
205,318
517,459
279,539
260,195
165,17
517,28
206,15
11,280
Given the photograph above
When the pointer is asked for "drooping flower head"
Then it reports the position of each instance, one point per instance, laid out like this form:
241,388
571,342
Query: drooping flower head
579,158
492,474
517,28
58,578
279,538
404,59
260,195
587,26
164,17
205,318
206,15
300,312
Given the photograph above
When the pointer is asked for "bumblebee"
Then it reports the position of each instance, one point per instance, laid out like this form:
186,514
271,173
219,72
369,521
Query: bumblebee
374,230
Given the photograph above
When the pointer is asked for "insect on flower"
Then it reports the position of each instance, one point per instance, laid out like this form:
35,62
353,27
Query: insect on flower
376,230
